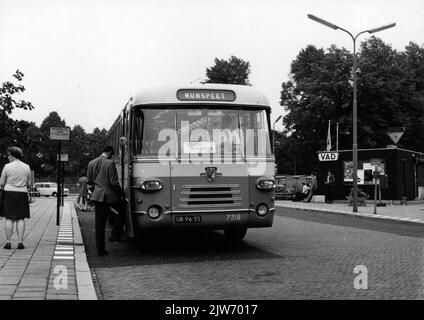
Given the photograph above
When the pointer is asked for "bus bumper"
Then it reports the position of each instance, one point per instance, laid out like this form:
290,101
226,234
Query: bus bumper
210,220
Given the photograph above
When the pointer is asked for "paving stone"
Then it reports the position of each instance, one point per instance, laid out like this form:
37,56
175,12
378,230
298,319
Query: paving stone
62,297
7,289
31,289
9,280
34,294
298,258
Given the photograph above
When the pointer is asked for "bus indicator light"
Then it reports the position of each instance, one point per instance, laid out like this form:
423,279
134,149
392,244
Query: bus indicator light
151,186
153,212
262,210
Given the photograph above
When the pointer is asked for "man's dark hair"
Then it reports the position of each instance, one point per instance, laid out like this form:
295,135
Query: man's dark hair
83,174
108,149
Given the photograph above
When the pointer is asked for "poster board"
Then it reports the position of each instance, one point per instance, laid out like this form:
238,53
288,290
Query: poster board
365,171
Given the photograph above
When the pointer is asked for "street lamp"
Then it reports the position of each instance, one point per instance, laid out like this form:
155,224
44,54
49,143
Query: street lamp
355,115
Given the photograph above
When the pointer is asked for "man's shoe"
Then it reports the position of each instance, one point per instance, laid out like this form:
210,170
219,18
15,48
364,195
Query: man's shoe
102,253
21,245
8,246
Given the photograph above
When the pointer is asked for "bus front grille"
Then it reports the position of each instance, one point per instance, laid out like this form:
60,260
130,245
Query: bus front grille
210,196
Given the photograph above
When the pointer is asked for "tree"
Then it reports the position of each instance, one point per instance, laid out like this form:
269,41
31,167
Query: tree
10,130
233,71
390,93
8,90
78,149
97,141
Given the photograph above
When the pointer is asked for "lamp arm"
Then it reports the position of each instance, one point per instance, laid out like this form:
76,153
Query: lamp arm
356,37
351,35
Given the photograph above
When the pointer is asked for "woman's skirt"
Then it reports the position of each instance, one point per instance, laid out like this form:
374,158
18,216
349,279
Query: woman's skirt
16,205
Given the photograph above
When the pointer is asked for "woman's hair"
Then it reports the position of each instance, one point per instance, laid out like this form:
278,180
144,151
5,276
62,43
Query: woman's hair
15,152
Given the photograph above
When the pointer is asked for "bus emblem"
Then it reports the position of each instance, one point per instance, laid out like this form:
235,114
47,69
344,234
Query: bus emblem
211,173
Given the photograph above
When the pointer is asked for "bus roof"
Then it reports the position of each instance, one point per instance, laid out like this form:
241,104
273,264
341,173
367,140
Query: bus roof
201,94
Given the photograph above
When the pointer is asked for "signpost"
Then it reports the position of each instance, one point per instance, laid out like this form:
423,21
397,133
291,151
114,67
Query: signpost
60,134
395,133
376,178
328,156
64,157
377,164
31,194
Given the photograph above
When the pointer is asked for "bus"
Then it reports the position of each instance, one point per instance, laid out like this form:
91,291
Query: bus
196,156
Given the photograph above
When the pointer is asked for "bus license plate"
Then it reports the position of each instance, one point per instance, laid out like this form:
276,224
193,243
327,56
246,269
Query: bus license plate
188,219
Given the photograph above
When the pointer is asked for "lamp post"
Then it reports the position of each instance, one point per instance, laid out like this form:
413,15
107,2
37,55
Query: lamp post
354,115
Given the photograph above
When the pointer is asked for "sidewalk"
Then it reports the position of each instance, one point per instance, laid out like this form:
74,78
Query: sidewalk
53,265
413,213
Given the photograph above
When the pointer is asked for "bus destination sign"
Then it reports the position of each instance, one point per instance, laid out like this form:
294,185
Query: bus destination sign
205,95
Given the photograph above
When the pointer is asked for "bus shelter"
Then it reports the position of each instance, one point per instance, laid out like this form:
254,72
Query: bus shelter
401,172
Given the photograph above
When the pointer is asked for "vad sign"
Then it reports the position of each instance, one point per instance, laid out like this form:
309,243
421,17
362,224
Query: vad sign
328,156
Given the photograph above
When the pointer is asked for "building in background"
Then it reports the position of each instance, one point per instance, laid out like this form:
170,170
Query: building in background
401,171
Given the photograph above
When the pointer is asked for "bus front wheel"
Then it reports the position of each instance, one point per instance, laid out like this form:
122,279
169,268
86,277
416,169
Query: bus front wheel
235,234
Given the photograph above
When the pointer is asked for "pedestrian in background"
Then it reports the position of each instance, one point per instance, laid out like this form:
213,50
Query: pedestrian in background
329,184
15,180
314,186
107,194
83,192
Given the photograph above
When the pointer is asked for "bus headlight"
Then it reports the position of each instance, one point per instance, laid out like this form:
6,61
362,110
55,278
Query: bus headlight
151,185
265,184
153,212
262,209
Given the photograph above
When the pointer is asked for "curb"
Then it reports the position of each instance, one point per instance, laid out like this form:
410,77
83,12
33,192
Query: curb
409,221
85,286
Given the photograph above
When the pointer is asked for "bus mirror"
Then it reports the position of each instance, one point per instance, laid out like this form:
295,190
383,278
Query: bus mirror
123,141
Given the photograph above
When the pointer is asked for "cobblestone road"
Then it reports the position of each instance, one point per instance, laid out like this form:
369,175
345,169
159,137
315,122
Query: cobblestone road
303,256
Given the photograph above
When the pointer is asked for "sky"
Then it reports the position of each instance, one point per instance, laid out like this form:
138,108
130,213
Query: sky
83,58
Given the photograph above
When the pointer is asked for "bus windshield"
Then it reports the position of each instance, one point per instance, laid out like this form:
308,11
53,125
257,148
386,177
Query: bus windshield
228,132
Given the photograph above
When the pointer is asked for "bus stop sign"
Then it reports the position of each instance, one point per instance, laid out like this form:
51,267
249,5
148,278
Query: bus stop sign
60,133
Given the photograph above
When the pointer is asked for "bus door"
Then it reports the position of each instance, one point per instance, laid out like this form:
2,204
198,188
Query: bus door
126,168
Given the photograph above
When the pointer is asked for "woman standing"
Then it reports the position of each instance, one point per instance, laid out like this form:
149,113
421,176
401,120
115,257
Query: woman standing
15,178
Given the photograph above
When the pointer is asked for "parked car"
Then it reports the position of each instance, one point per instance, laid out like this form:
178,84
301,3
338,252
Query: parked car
49,189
